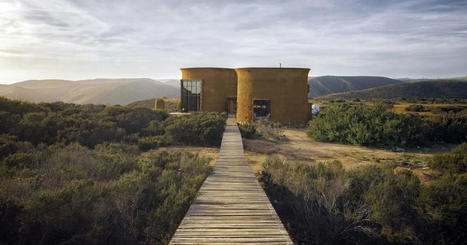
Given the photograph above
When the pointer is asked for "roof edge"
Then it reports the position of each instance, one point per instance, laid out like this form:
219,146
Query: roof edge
206,68
272,68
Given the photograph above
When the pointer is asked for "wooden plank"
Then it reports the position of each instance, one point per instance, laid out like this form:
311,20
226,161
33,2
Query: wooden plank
231,207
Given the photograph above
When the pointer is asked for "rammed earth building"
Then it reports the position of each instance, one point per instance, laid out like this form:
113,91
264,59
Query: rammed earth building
278,94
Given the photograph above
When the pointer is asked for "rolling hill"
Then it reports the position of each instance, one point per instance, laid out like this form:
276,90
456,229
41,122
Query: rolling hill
95,91
323,85
423,89
171,82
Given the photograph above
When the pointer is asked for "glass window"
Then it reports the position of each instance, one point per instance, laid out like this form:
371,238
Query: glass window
262,109
190,95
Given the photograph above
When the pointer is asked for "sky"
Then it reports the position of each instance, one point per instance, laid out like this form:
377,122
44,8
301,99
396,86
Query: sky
82,39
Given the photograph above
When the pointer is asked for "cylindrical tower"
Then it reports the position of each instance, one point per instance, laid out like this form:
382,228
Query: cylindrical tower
159,104
217,85
280,94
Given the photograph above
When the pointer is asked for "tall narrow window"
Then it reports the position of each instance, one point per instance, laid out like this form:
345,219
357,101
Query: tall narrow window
190,95
262,109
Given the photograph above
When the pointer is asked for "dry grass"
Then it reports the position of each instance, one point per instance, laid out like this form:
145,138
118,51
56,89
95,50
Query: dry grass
300,148
208,152
401,108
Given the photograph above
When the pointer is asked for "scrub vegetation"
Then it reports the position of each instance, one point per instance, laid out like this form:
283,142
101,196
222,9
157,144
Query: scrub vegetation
379,202
263,129
374,125
92,174
370,204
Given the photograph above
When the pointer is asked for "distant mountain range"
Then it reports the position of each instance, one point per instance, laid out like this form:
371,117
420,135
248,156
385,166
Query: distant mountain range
172,82
95,91
125,91
442,88
323,85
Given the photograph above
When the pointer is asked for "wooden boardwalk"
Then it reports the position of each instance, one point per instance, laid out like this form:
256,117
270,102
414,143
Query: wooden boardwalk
231,207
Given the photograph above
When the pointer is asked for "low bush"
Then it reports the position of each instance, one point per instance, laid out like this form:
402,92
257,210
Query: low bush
247,130
265,129
310,201
88,174
374,126
446,129
269,130
452,162
81,196
325,204
444,202
153,142
204,128
367,125
416,108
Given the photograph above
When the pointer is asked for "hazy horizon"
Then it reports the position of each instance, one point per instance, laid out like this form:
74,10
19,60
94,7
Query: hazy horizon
85,39
166,80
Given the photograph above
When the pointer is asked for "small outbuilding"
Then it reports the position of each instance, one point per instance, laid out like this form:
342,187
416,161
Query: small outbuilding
159,104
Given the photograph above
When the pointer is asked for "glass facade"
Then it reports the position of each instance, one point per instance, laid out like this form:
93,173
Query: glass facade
262,109
191,93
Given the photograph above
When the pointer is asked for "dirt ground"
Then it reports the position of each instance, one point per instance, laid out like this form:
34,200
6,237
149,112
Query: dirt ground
300,148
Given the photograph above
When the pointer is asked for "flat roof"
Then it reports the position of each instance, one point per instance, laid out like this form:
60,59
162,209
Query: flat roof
192,68
245,68
272,68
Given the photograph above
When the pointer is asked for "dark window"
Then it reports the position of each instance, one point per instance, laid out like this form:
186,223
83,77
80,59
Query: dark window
191,91
262,109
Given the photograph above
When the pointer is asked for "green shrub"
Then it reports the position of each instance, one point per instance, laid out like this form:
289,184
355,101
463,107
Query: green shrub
367,125
445,203
10,221
153,142
204,128
133,119
416,108
8,120
112,194
392,203
247,130
265,129
447,128
76,174
9,144
452,162
270,130
91,125
22,159
310,201
154,128
370,204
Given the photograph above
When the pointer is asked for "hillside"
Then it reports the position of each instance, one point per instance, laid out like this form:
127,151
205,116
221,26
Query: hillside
323,85
95,91
423,89
171,82
171,104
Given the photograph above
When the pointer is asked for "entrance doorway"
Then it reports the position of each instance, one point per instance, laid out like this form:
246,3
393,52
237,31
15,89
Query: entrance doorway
231,105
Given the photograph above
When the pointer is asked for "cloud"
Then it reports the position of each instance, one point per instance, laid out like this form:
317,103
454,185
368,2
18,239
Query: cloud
84,38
